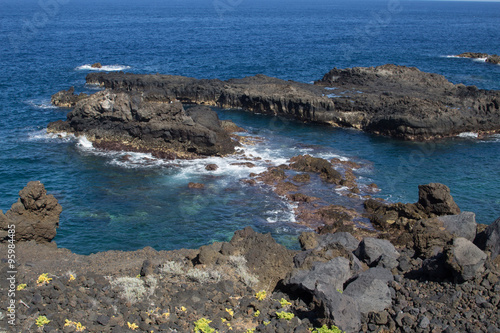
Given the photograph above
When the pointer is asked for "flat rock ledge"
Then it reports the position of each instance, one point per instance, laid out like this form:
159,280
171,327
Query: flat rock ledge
253,284
396,101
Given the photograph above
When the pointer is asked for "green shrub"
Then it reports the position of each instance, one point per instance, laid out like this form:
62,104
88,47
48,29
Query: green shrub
202,326
285,315
325,329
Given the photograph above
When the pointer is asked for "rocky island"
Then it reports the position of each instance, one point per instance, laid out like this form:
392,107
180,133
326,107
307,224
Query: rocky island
491,58
396,101
445,277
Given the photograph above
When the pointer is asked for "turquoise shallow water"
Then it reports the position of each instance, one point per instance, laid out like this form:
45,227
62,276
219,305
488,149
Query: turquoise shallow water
110,203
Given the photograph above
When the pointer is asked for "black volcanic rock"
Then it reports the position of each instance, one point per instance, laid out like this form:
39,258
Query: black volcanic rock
390,100
67,98
120,120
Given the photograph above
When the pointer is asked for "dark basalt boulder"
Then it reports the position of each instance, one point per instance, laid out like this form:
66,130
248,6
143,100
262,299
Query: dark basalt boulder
436,199
489,239
67,98
126,121
35,216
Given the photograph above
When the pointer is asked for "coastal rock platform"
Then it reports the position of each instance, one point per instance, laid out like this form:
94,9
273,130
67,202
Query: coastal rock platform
396,101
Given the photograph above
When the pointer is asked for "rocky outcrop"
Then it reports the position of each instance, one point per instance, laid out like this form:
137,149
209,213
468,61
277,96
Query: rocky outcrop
67,98
434,199
127,121
390,100
270,261
35,216
491,58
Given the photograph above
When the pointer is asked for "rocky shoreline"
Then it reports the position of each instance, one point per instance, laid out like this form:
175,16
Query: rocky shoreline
441,276
390,100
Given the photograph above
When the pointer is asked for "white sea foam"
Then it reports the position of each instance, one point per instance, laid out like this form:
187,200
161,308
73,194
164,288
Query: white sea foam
468,135
41,104
43,136
132,160
474,59
480,59
333,96
329,156
331,88
283,214
342,189
84,143
106,68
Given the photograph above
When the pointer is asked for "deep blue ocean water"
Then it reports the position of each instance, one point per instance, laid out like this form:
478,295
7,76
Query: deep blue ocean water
113,203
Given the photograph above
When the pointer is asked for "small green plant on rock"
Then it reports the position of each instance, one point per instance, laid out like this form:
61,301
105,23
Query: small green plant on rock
42,321
43,279
202,325
285,315
325,329
284,303
261,295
